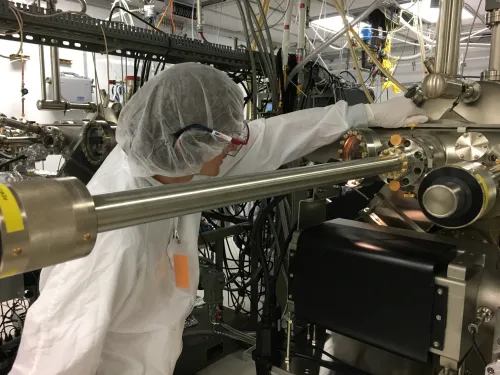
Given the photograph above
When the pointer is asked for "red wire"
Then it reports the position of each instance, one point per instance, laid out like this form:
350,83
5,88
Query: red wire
203,37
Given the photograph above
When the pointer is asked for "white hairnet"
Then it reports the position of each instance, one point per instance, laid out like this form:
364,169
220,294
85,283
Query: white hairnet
182,95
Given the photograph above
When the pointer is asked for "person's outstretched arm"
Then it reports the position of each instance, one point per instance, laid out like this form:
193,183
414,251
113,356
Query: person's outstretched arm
282,139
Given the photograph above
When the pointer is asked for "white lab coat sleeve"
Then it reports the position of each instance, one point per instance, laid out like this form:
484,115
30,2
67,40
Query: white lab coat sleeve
65,329
282,139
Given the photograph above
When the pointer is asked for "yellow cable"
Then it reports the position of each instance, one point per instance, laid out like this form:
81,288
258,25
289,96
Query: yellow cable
265,5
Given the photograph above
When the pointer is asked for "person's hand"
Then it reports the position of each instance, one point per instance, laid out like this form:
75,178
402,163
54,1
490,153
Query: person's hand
395,113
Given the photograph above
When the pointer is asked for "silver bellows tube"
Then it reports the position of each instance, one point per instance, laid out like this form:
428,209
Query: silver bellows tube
50,221
123,209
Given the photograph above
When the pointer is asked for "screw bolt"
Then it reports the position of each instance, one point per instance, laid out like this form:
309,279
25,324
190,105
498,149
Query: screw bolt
87,236
461,156
490,370
435,344
17,251
438,317
457,145
440,291
476,157
466,135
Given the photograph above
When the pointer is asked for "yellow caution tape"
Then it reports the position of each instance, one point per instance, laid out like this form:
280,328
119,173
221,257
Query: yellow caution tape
10,209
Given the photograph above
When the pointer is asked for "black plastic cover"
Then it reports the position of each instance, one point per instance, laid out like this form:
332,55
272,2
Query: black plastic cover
375,287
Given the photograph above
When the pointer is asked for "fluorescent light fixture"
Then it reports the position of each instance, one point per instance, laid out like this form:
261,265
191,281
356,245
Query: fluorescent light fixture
335,23
423,8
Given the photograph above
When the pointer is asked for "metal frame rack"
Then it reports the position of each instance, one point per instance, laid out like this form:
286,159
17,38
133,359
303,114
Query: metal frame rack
81,32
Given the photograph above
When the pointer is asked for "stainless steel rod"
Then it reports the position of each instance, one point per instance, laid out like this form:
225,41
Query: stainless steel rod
41,57
56,74
495,48
128,208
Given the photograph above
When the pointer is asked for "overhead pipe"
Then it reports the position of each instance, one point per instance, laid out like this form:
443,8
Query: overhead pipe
34,237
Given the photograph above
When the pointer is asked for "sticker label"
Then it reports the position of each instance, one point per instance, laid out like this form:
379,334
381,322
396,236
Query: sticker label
181,269
10,209
9,273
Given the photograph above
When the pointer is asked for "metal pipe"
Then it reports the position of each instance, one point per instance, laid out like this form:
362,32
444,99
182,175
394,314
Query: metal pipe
128,208
52,105
56,74
495,48
448,37
332,39
4,121
199,21
302,30
41,57
286,32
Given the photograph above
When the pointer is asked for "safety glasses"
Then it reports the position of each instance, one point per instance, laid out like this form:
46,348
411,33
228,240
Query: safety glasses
234,143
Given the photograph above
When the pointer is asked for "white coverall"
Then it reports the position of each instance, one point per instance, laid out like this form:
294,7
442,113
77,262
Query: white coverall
121,309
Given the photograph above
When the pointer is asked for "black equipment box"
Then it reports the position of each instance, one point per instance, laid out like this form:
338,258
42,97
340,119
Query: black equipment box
369,283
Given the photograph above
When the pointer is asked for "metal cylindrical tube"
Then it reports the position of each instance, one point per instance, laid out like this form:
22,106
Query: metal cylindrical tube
41,57
20,125
45,222
53,105
286,32
56,74
495,48
301,38
332,39
33,236
123,209
448,37
18,141
199,20
83,106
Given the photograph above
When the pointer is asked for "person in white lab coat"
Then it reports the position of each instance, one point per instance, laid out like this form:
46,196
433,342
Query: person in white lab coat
121,310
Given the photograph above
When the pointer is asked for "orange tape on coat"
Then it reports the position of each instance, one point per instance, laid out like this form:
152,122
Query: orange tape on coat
181,268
